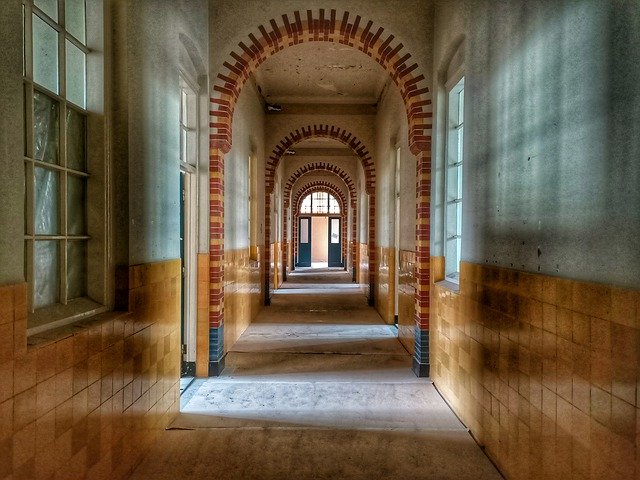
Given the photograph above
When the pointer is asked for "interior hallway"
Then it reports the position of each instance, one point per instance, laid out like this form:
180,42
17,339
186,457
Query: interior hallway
317,387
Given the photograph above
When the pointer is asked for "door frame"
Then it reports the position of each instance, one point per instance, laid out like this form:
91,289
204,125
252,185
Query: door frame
189,223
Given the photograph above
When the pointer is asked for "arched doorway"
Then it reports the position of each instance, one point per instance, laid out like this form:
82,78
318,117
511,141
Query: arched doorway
352,32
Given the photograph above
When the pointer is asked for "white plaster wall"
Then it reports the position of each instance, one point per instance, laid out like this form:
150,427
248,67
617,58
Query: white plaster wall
362,219
552,127
11,149
148,118
392,131
449,39
248,139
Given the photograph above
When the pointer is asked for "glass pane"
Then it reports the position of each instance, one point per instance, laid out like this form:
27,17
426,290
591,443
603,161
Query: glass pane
50,7
451,220
334,206
306,205
76,138
76,205
183,108
74,18
45,128
47,211
45,54
25,130
46,288
335,230
304,230
76,73
24,44
183,145
452,183
76,269
192,140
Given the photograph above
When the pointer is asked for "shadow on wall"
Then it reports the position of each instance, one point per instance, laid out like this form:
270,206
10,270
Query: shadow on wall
553,121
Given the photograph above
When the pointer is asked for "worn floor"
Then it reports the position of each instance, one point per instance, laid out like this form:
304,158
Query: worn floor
318,387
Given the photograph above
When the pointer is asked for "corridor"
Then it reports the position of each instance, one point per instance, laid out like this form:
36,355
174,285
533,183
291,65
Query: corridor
318,387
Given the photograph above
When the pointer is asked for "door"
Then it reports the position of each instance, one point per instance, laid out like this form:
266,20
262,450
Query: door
188,256
335,243
304,243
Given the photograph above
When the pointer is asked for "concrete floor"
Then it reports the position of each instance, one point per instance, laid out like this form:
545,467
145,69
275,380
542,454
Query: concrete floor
318,387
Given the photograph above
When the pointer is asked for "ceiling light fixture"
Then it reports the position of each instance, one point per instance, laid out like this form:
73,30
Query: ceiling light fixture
272,107
290,151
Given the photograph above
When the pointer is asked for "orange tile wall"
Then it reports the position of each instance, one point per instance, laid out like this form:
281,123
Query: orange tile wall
407,300
242,294
543,370
385,295
87,400
363,271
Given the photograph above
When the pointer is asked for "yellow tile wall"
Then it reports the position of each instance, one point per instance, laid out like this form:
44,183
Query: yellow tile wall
363,271
87,400
385,294
543,370
202,325
242,294
407,299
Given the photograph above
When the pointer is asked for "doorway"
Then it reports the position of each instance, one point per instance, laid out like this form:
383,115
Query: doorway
320,242
188,258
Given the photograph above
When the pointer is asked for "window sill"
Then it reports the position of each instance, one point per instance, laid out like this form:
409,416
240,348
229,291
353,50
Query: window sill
40,340
450,286
56,316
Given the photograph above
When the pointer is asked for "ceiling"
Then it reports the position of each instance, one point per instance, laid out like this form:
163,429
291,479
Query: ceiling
321,142
320,72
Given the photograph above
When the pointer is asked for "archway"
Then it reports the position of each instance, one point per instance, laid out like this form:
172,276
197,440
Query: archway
348,139
231,78
319,186
299,175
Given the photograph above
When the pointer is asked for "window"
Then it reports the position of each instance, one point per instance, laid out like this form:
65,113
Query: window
320,203
188,125
57,167
453,180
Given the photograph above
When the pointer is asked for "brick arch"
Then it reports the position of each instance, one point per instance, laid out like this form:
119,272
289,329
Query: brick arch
332,189
298,175
322,25
345,29
320,167
290,140
321,131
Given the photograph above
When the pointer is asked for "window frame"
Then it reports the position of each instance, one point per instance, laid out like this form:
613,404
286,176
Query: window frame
454,121
96,298
320,196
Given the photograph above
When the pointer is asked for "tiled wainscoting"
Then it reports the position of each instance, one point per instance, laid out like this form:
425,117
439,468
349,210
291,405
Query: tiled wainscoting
407,300
88,399
363,270
543,370
385,295
202,326
242,293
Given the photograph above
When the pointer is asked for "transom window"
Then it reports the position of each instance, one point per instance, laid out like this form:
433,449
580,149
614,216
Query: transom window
453,181
55,150
319,203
